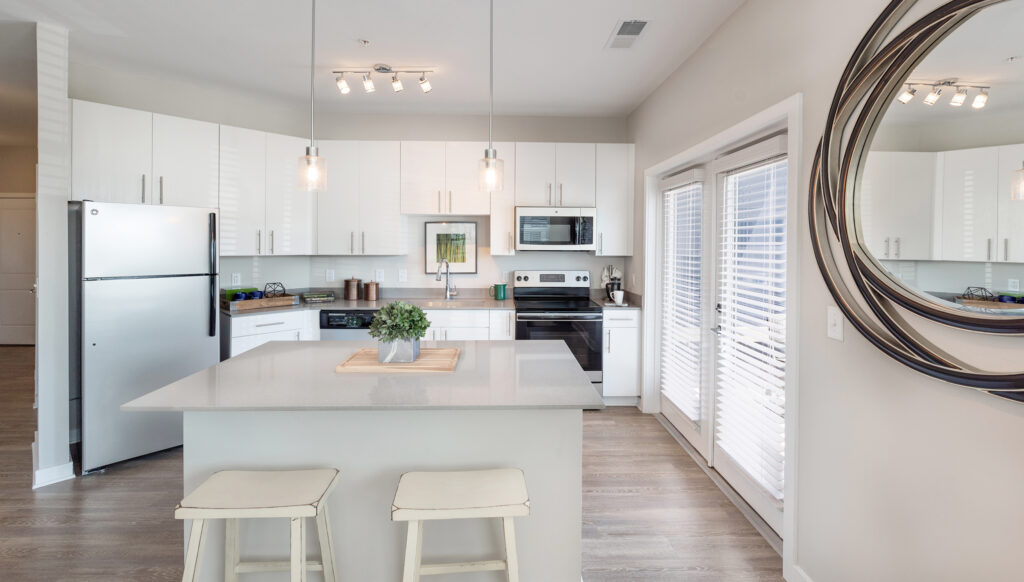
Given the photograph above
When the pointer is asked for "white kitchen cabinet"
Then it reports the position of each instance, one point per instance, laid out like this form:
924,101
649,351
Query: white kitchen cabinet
422,177
186,162
290,210
338,206
502,324
969,207
503,205
382,225
1011,212
243,191
462,178
575,174
111,153
458,324
535,174
240,334
897,203
614,198
621,358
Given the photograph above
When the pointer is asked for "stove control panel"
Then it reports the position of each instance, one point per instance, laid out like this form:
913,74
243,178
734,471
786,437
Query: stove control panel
551,279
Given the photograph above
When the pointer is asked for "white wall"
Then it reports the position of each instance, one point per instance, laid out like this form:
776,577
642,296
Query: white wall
900,477
18,169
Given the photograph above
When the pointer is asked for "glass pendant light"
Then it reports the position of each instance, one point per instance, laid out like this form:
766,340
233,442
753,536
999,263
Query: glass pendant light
312,168
492,168
1017,192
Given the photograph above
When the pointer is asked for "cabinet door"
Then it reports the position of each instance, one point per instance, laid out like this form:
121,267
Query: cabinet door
422,171
243,187
465,334
243,344
1011,212
111,153
462,178
290,209
969,205
381,223
575,174
621,361
875,190
338,206
909,207
186,161
614,183
503,325
535,174
503,205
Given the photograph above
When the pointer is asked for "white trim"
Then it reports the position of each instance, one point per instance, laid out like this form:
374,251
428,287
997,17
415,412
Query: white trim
621,401
684,178
795,574
51,475
788,112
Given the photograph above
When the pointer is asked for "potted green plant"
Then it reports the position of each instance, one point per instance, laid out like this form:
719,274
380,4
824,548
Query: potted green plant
398,328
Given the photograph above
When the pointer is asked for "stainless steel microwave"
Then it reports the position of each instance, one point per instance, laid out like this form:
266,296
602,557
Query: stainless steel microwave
555,228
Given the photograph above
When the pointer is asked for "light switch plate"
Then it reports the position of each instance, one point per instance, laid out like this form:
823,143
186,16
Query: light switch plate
236,279
379,275
329,275
403,276
1013,285
835,323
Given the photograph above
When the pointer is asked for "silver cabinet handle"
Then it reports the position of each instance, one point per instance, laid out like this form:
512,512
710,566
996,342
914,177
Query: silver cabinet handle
899,248
439,202
143,188
887,247
1006,249
269,324
508,324
609,341
449,202
271,242
161,189
600,243
619,319
364,242
510,242
550,194
352,243
990,249
259,241
560,195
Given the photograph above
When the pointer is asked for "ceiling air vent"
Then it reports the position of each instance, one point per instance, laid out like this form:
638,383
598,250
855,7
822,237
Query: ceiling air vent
625,33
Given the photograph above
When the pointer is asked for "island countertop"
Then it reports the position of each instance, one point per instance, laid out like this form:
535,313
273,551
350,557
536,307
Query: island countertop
301,376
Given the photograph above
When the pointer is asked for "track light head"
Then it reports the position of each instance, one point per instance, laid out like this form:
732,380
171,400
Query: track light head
368,83
343,85
981,99
933,97
958,98
907,95
424,83
396,83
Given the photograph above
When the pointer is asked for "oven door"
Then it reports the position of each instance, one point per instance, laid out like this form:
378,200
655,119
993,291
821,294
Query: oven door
580,331
555,229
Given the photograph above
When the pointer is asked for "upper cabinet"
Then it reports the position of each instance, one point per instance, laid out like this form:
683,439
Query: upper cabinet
969,205
898,227
243,191
291,210
1011,212
555,174
462,178
186,161
442,178
503,204
360,212
614,186
137,157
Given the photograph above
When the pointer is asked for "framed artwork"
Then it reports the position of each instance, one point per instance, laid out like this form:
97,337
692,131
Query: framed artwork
455,241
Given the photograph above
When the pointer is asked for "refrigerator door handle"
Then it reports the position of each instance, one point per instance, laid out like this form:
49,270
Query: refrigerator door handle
213,274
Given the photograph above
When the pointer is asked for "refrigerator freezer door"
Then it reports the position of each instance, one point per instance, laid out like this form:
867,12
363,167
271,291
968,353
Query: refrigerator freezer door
139,335
135,240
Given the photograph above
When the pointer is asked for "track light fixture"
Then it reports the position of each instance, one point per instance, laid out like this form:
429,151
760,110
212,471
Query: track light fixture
962,92
343,85
382,69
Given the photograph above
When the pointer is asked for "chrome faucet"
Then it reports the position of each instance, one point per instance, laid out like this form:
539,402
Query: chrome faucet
449,289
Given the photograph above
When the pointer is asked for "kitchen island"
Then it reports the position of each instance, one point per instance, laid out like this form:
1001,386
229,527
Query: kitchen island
282,405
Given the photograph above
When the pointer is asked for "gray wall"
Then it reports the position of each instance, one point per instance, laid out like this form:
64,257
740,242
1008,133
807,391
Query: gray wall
900,477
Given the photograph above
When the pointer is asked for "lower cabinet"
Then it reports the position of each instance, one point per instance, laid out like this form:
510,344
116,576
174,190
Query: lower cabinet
503,324
242,333
621,353
458,325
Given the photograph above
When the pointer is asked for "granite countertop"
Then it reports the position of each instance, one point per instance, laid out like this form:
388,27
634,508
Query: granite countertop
534,374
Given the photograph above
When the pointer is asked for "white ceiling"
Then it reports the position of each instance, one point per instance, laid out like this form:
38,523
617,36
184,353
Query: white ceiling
17,84
549,55
975,53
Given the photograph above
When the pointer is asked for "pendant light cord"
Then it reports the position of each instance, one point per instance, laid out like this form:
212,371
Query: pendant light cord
312,69
490,100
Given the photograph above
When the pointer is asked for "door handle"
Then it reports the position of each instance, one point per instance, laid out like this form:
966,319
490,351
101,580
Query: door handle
213,274
990,249
1006,249
600,243
550,194
899,248
271,242
510,242
609,341
439,202
364,242
449,202
352,243
259,241
887,247
161,189
561,200
508,324
143,188
269,324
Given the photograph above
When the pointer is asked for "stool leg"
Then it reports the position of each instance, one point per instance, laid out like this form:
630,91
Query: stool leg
323,527
413,552
298,535
511,557
194,551
230,550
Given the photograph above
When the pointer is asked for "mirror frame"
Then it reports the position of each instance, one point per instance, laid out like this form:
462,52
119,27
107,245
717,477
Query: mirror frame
872,300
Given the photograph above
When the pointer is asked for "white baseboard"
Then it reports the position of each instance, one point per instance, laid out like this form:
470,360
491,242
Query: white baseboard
621,401
51,475
795,573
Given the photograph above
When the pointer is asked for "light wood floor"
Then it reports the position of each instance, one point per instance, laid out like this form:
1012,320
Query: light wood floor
649,513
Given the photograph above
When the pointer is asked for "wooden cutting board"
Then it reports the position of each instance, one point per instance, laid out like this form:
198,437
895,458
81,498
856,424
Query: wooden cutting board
364,361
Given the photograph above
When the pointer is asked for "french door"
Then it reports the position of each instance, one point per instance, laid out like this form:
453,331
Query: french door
723,322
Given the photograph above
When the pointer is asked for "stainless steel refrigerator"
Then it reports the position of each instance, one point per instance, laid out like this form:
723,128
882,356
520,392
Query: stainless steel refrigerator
144,313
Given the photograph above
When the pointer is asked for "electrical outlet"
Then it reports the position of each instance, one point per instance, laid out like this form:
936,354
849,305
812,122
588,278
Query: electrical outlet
329,275
403,276
379,275
835,323
1013,285
236,279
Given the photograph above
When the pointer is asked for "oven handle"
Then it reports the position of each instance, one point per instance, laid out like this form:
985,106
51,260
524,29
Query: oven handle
597,317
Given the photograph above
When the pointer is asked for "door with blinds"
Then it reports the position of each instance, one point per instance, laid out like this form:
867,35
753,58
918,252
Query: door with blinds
723,323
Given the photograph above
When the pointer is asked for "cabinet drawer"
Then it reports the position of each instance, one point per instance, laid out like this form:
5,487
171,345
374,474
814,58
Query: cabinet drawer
619,317
271,322
459,318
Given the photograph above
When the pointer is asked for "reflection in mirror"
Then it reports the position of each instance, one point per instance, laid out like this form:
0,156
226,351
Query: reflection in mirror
941,198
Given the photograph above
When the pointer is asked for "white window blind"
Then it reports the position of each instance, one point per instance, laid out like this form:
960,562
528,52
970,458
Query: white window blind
681,306
750,375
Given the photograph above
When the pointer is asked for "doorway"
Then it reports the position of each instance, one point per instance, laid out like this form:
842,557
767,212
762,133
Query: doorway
17,270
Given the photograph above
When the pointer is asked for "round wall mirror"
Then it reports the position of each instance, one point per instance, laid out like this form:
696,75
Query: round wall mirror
917,191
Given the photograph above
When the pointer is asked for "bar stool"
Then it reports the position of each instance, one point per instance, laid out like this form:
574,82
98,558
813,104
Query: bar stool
424,496
234,495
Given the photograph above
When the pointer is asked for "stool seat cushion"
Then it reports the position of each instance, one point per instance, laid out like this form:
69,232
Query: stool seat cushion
461,495
250,494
